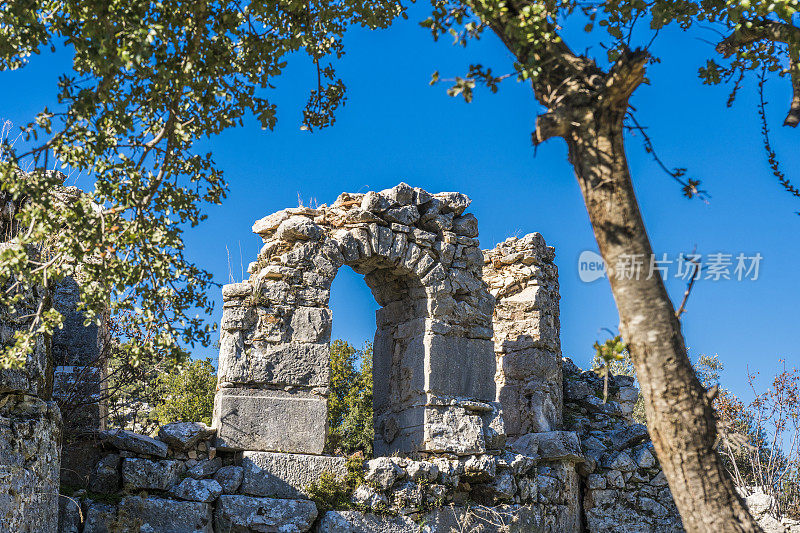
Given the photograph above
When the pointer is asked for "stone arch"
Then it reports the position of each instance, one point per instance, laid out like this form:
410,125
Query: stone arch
434,361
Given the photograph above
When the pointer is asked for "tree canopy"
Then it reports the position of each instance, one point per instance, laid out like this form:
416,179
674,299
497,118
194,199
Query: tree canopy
149,79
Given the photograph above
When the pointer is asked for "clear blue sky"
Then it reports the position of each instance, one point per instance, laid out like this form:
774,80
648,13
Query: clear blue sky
395,127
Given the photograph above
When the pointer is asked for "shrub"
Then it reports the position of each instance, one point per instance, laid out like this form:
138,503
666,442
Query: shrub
350,401
187,393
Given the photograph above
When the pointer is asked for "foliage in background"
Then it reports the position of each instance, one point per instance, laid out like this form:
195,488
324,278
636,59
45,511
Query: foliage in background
148,80
612,357
150,391
759,441
187,394
329,492
350,428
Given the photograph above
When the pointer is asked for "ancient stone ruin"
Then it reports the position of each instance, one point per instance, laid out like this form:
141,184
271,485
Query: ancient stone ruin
480,424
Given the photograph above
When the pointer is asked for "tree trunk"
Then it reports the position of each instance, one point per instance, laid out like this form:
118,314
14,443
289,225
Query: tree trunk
680,417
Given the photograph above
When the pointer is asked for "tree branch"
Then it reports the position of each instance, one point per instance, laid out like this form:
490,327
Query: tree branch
774,31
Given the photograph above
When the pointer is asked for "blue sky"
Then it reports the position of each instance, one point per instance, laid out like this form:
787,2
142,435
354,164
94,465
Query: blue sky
395,127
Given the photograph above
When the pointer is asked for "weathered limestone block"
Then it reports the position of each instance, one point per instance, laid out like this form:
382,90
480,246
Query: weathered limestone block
229,478
382,472
266,420
30,379
245,514
285,475
137,514
69,515
140,473
100,517
292,363
30,435
197,490
184,435
105,478
550,446
357,522
529,406
205,468
461,367
123,439
453,429
559,496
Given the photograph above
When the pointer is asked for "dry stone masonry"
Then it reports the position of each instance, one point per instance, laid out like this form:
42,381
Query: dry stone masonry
480,424
524,280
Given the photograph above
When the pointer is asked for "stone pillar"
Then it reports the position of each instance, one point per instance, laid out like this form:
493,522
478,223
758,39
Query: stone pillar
524,280
433,357
30,435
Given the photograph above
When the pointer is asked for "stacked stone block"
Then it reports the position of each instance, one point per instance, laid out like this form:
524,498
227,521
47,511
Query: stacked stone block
624,488
433,357
30,430
523,279
178,482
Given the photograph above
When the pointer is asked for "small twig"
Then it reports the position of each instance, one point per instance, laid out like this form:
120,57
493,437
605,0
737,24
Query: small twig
772,157
689,286
689,186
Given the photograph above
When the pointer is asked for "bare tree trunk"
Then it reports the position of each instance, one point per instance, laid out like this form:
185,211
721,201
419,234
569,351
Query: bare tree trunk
680,417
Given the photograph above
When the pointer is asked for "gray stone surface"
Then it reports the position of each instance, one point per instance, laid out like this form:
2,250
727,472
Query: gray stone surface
550,446
184,435
100,517
357,522
205,468
523,279
285,475
229,478
30,460
382,472
126,440
105,478
138,514
270,421
291,363
140,473
453,429
245,514
197,490
69,515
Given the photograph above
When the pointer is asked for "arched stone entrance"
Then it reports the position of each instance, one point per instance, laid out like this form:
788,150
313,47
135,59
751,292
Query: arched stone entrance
434,361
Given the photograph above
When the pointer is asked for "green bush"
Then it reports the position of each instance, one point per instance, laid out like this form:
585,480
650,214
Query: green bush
350,400
187,393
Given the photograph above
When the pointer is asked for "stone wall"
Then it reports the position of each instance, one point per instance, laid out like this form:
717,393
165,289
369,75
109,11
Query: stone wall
625,490
30,430
179,482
